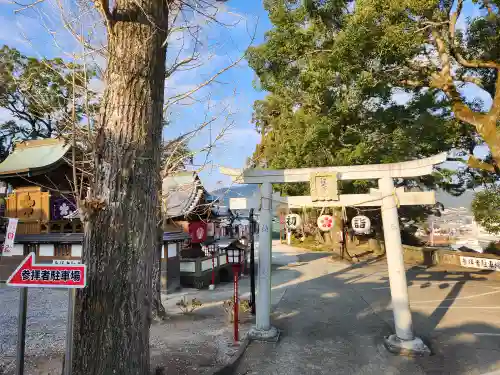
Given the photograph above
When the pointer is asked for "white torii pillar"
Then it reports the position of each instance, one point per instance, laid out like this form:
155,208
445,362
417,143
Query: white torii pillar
263,201
404,340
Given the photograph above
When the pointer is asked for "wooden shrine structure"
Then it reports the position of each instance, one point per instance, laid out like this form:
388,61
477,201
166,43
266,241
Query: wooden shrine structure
40,195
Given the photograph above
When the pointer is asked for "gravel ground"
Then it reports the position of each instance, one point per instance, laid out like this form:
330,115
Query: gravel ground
185,344
45,327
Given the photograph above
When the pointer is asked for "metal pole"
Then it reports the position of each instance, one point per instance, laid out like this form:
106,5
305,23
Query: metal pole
252,262
213,267
68,360
236,270
21,330
397,272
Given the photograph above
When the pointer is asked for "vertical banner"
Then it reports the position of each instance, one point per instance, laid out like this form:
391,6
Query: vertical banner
8,245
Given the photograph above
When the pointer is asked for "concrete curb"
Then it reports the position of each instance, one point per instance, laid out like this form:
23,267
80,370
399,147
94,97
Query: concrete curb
228,368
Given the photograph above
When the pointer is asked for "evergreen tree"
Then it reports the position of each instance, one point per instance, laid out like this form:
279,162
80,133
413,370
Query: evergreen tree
349,84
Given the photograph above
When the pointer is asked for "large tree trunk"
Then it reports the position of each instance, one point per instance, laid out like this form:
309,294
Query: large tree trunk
113,313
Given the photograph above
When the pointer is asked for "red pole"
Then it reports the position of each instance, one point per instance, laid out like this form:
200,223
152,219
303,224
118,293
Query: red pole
236,269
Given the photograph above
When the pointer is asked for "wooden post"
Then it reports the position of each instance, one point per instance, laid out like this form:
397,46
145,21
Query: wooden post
21,330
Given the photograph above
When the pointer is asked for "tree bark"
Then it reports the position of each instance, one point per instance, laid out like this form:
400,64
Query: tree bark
158,310
113,313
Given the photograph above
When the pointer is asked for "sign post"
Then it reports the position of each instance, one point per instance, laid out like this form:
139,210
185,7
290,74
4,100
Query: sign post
21,330
31,275
68,356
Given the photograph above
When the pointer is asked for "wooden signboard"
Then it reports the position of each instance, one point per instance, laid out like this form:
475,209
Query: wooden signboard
324,187
31,206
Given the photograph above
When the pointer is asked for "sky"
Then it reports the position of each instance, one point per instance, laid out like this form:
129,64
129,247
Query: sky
226,103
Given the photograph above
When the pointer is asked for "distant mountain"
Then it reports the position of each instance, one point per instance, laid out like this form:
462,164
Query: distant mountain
450,201
237,191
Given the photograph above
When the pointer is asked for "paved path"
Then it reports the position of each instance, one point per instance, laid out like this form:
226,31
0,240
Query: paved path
333,316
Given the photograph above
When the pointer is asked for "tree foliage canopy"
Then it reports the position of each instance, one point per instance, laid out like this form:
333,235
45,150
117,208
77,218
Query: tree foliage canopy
358,82
486,209
38,96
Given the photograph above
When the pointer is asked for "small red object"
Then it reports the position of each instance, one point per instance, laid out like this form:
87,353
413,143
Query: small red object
198,231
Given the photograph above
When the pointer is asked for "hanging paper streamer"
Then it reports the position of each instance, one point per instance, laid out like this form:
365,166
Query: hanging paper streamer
325,223
361,224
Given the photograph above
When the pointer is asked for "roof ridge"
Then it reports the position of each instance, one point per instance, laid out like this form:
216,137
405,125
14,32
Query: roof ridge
37,143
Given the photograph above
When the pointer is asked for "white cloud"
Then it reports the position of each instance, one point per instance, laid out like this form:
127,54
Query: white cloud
4,115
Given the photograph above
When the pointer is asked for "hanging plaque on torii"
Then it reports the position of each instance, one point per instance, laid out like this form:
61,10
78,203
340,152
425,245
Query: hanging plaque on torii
324,187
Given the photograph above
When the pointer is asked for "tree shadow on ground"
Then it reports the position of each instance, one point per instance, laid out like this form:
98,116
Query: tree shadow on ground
310,256
335,324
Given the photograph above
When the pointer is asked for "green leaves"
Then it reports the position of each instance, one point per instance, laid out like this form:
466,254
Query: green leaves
336,93
38,94
486,209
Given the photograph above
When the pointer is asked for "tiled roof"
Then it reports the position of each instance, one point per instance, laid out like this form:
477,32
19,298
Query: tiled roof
181,193
30,156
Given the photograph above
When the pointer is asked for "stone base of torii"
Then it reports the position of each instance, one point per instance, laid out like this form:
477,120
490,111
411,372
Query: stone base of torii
386,196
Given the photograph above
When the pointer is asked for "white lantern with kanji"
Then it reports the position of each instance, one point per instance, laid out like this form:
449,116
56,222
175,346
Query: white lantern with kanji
293,221
325,223
361,224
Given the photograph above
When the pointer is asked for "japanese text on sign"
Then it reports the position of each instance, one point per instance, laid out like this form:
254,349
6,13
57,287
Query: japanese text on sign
361,224
323,187
51,275
66,261
30,274
293,221
482,263
9,236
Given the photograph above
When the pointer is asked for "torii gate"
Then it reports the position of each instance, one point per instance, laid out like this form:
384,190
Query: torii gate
386,196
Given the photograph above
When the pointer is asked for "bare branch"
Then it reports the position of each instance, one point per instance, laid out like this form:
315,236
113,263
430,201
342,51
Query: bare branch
27,6
103,7
453,47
